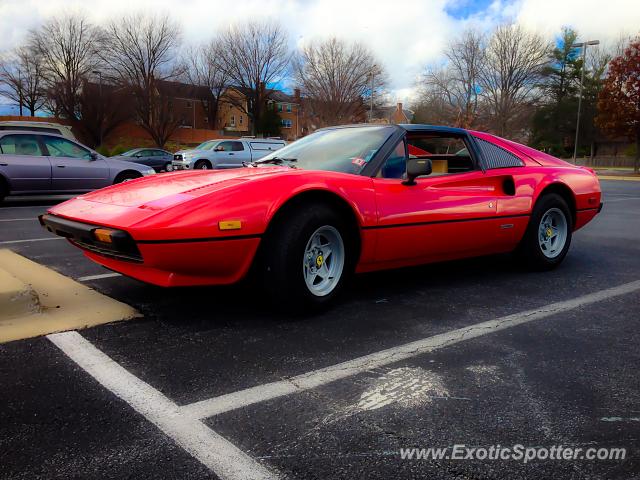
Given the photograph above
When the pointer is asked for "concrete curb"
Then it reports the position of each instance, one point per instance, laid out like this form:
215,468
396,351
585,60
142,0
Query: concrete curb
61,302
16,297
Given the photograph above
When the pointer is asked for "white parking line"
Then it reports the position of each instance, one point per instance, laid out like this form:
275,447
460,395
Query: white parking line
323,376
215,452
32,219
98,277
9,242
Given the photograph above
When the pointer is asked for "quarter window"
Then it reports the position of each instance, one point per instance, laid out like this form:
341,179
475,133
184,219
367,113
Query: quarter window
237,146
20,145
497,157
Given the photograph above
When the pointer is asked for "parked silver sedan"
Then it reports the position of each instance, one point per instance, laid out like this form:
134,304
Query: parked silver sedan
38,163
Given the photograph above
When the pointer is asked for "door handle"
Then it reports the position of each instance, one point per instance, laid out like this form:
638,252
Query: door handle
4,164
61,166
230,153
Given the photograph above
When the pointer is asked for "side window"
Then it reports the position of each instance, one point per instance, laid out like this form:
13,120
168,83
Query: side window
237,147
61,147
497,157
226,146
395,165
146,153
20,145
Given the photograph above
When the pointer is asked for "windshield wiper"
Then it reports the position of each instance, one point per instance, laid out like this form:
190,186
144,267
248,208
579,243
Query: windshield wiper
276,160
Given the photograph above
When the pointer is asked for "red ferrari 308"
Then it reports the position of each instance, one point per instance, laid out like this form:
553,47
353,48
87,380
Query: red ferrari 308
341,200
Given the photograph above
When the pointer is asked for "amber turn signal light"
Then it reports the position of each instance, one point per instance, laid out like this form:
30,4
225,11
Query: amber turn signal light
103,235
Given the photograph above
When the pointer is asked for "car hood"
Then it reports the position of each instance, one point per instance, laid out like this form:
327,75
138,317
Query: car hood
192,152
162,191
118,164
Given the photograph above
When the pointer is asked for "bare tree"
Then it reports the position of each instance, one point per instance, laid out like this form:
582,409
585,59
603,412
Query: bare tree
203,69
514,62
253,56
335,78
66,47
139,52
21,74
458,80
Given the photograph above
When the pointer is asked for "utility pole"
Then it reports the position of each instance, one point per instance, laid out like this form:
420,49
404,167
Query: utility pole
371,98
101,119
20,97
582,45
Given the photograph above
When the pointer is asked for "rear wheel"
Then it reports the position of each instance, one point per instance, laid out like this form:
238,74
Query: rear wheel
306,258
202,165
126,176
548,236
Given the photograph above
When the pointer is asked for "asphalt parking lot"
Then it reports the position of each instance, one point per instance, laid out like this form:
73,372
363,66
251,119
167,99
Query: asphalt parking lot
211,383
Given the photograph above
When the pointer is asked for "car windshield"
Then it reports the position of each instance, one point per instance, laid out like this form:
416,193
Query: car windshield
345,150
208,145
130,153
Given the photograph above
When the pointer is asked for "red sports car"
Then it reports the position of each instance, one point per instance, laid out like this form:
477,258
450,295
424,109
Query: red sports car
342,200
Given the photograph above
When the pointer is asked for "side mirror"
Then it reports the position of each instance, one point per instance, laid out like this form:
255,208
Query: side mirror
137,155
417,167
93,156
218,149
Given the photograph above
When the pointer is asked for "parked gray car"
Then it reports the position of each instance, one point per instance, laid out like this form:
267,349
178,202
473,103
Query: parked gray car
156,158
37,163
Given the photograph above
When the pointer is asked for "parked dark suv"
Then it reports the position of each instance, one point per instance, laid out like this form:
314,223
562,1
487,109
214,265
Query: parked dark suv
37,163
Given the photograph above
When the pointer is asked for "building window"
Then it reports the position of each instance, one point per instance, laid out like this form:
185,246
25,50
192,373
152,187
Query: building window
289,107
241,119
233,120
206,120
279,107
286,123
188,104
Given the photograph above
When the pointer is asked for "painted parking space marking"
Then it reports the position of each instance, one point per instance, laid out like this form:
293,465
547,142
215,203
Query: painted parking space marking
242,398
98,277
18,219
226,460
29,240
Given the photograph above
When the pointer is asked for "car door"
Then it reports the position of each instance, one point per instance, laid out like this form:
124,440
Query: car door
225,155
74,168
438,218
145,157
23,163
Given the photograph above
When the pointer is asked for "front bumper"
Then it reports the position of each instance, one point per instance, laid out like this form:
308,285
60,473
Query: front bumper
166,263
122,247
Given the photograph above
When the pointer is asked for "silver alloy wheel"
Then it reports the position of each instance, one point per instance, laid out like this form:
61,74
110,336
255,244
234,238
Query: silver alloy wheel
552,232
204,166
323,260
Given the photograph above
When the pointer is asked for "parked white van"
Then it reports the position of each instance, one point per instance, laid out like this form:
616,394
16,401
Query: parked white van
42,127
225,153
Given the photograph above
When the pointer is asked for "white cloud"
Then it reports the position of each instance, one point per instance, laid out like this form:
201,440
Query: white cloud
404,34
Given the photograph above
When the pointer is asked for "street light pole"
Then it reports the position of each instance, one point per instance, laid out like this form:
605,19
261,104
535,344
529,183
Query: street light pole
582,45
99,73
371,99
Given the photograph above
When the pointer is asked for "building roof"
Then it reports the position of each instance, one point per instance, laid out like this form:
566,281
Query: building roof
183,90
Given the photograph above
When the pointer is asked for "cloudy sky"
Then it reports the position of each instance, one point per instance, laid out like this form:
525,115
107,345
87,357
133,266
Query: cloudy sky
404,34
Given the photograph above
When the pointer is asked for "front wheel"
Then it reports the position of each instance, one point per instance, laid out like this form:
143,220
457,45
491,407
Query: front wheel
126,176
548,236
306,258
202,165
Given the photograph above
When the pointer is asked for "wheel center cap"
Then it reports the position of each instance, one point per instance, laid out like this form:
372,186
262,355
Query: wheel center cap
319,261
549,232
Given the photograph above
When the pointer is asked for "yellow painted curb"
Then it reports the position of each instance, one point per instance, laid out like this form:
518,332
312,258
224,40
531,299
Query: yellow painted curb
619,177
64,303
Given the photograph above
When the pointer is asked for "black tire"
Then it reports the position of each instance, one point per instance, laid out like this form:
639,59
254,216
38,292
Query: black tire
280,260
530,251
123,177
202,165
4,191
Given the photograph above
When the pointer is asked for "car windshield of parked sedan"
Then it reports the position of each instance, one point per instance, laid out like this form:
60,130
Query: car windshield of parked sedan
130,153
346,150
